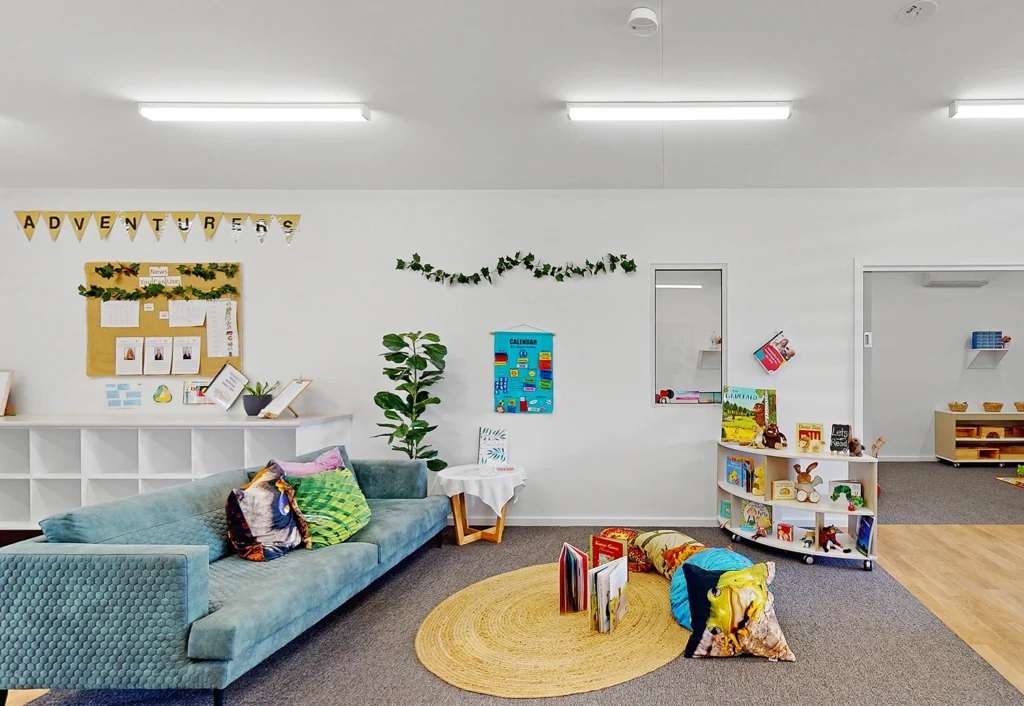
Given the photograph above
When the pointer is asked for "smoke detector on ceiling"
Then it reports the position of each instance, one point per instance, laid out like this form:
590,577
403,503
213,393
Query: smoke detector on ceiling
643,22
917,12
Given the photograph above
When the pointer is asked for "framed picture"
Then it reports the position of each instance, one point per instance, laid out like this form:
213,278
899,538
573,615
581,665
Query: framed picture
226,386
6,377
285,398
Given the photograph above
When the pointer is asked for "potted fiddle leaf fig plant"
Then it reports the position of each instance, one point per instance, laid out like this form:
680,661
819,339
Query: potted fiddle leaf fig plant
418,364
257,397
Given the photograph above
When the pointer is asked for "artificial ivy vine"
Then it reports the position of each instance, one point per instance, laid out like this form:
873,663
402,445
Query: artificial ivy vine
560,273
154,290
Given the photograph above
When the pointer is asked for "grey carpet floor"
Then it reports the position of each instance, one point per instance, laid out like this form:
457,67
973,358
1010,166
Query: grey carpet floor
859,638
937,493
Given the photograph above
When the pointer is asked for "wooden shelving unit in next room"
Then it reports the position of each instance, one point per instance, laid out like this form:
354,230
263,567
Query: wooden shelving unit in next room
984,438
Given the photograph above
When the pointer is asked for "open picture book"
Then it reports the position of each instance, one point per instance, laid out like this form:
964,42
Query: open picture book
608,596
573,566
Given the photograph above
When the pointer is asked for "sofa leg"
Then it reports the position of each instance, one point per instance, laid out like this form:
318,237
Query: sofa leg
3,697
438,539
218,697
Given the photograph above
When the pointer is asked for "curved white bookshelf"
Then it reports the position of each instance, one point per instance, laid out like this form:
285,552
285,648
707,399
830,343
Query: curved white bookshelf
778,465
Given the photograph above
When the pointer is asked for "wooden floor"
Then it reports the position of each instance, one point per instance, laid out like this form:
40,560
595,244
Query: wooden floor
970,576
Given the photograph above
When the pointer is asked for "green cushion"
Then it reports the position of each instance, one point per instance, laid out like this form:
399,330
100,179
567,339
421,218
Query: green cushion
332,505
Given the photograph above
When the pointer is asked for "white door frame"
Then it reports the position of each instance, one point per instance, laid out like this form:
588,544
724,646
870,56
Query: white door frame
860,266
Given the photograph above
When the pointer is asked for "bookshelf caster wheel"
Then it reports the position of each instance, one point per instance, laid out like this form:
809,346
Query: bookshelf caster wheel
808,559
868,566
956,465
736,538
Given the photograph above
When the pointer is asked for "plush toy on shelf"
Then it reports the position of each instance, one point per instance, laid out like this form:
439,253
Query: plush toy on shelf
805,485
808,540
856,448
773,438
827,539
854,500
757,487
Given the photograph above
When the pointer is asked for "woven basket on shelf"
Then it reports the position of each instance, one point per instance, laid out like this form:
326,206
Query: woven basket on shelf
1019,406
992,406
957,406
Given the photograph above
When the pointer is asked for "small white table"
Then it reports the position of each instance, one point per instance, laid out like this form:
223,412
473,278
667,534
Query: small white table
489,484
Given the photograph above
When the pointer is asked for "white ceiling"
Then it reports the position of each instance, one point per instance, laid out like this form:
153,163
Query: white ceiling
470,94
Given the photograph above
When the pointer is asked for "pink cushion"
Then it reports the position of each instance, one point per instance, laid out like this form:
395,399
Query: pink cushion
327,461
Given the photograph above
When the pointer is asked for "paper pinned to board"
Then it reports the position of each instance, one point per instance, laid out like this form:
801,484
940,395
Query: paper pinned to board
128,356
186,313
158,356
222,339
187,354
118,314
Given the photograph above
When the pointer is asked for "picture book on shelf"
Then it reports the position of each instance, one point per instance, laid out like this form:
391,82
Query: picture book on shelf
739,471
744,411
725,509
864,525
604,550
756,516
609,598
573,568
810,438
775,353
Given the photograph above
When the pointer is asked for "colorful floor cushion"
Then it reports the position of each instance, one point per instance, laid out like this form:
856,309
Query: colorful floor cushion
327,461
734,613
675,557
262,524
654,544
332,505
637,559
712,559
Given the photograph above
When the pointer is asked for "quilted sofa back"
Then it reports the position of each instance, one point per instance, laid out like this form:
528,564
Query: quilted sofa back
189,513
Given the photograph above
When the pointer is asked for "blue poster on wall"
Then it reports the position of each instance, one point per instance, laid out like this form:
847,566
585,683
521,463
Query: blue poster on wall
523,372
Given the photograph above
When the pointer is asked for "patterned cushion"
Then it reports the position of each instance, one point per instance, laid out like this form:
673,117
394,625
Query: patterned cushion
332,506
657,542
675,557
733,613
712,559
261,523
327,461
638,561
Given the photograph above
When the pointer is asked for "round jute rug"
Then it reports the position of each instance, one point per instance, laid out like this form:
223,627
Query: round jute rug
505,637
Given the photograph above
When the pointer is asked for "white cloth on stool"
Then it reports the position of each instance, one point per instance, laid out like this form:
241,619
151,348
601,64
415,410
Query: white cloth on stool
493,487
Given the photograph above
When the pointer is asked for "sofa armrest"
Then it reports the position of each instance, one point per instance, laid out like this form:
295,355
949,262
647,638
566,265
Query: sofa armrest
392,479
74,612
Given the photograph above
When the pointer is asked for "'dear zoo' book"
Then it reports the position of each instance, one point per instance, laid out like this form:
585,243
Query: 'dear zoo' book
744,410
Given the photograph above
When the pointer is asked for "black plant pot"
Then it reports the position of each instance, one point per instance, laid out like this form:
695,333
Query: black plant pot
254,404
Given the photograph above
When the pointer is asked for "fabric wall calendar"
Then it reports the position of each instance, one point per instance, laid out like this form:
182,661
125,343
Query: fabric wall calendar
523,372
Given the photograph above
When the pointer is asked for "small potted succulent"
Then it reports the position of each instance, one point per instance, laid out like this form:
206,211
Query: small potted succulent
257,397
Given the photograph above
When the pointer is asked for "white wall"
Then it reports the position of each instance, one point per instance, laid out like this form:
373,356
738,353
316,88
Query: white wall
607,454
917,361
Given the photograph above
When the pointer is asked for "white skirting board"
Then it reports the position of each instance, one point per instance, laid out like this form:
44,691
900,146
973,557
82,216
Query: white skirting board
905,459
488,521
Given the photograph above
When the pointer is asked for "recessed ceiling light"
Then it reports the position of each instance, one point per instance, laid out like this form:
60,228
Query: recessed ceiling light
775,110
256,112
679,286
987,109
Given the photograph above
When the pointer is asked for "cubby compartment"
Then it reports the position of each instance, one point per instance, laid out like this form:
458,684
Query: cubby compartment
14,455
14,499
151,484
55,452
110,452
51,496
217,450
262,445
165,452
100,490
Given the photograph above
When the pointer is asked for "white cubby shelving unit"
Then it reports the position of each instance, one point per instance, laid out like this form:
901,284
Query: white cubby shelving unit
51,464
778,465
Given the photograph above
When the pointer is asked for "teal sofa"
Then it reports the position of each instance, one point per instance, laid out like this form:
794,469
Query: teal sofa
147,592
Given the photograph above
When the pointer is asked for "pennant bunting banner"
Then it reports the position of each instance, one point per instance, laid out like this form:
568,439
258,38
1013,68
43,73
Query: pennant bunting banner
210,223
261,222
27,220
184,221
237,222
80,221
289,225
104,222
54,222
131,220
157,221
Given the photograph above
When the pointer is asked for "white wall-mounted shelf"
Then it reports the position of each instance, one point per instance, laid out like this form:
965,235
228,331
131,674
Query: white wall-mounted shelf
777,464
985,358
52,464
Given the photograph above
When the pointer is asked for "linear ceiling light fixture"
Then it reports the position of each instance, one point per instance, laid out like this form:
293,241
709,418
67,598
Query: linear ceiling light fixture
679,286
256,112
987,109
774,110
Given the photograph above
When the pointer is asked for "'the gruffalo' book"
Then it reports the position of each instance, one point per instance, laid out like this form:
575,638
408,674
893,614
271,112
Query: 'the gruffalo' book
744,409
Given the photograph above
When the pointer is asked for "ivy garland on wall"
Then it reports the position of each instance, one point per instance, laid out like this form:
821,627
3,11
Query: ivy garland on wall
540,269
206,272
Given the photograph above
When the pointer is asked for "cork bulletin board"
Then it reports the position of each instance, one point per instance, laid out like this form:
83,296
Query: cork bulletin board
102,342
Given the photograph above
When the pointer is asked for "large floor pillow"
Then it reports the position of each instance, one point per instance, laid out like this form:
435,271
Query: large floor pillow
262,524
713,559
655,543
733,613
638,561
